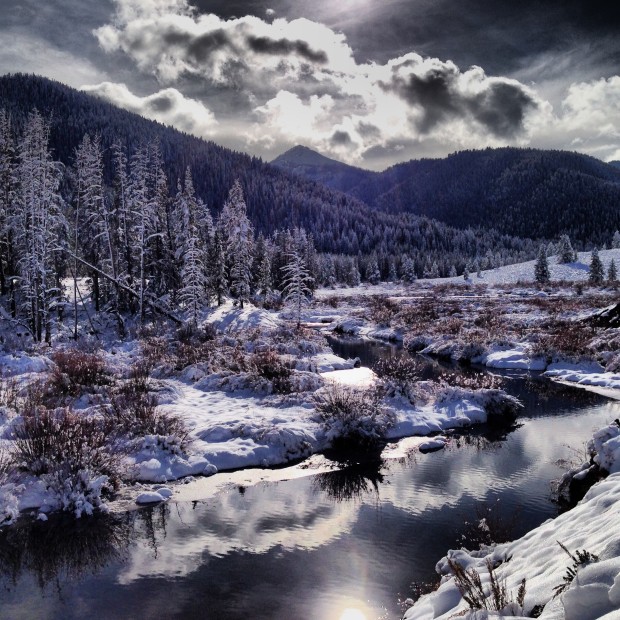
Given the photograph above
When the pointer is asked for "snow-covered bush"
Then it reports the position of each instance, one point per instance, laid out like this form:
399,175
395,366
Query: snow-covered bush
399,375
72,453
75,370
133,413
269,366
61,440
352,418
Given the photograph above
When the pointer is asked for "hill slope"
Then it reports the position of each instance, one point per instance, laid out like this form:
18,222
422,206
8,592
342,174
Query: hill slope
522,192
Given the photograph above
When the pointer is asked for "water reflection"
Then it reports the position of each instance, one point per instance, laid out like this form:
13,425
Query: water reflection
353,482
63,548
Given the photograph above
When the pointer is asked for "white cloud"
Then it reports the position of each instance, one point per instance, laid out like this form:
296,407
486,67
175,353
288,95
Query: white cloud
168,106
298,81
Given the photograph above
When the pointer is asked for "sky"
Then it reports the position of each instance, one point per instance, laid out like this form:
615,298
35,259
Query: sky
368,82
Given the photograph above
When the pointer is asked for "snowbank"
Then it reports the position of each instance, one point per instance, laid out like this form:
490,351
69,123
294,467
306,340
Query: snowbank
586,374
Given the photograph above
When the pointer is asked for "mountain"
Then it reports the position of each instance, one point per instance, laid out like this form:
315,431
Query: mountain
522,192
615,164
304,162
276,199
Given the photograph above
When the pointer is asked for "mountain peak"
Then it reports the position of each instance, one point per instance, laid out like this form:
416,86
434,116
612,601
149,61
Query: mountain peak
303,156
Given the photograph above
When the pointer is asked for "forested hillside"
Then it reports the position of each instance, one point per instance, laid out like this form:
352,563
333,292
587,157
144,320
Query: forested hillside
340,224
522,192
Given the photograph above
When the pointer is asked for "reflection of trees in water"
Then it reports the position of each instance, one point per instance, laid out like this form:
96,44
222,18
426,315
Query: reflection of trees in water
491,437
64,548
351,482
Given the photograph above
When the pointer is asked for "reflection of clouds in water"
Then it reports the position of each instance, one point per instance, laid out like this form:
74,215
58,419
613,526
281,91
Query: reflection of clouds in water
262,518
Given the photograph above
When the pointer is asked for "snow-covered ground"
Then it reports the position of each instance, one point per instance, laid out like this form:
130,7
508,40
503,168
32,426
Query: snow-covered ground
234,416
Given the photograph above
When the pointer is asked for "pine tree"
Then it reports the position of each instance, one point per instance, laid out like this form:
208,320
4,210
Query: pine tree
466,273
38,224
372,271
392,275
597,273
216,271
296,283
541,268
566,254
238,234
8,203
453,272
612,274
615,242
409,275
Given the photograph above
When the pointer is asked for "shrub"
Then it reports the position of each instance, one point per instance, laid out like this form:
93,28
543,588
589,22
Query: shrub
469,583
269,366
399,373
191,353
9,389
382,310
579,558
63,441
76,370
133,411
352,418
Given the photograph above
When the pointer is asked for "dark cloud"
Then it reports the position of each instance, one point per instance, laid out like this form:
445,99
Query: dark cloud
266,45
340,138
368,130
201,47
161,103
500,107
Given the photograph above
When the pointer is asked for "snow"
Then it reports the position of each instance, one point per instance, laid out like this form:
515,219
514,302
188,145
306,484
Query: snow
513,358
150,497
359,377
231,318
586,374
524,272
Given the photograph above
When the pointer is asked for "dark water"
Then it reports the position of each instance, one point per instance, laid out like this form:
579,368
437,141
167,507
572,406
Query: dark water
303,549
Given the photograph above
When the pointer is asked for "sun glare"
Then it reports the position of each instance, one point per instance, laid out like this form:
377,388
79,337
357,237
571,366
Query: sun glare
350,613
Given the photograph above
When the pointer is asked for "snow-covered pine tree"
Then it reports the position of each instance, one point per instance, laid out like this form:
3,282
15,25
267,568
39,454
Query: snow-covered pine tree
466,273
612,273
541,268
328,271
408,270
122,225
615,241
596,275
8,194
353,273
143,222
216,268
372,271
239,238
191,250
453,272
566,254
296,280
38,224
92,234
392,275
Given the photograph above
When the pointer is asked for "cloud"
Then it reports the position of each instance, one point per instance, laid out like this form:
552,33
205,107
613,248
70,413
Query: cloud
275,82
440,92
168,106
